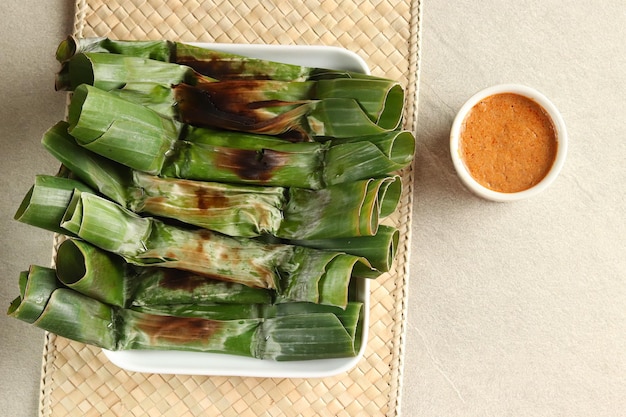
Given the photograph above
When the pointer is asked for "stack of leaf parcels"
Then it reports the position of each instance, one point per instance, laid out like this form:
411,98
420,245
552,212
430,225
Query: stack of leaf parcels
214,202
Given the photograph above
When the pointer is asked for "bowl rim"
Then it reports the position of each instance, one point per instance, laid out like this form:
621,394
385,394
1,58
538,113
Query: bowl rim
561,137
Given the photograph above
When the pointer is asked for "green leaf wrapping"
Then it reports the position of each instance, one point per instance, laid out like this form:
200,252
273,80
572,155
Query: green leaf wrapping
147,331
156,97
36,285
340,118
104,175
147,141
382,100
290,334
212,155
125,132
93,272
108,71
379,249
199,107
107,277
45,203
216,64
205,311
352,209
215,105
373,156
134,282
107,225
173,287
158,49
235,210
234,157
147,241
296,331
323,107
226,66
48,305
289,337
345,210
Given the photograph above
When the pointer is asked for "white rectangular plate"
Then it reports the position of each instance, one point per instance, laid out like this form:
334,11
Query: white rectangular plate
197,363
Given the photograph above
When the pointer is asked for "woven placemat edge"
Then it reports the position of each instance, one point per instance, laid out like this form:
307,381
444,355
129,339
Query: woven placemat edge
415,38
80,11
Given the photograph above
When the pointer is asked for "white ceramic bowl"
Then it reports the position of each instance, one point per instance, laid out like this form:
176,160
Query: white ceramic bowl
561,137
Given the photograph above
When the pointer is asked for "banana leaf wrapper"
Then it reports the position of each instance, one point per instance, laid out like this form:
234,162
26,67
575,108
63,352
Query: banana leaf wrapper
161,99
213,63
137,136
381,100
379,249
67,313
45,203
45,303
290,337
345,210
235,210
126,132
234,157
185,202
146,241
240,158
297,109
110,71
349,316
107,277
74,257
214,105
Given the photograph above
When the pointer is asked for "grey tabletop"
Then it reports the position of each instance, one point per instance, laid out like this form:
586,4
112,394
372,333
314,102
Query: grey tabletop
514,309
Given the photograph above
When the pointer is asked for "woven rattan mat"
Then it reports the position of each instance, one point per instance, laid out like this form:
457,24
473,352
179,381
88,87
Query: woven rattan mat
78,380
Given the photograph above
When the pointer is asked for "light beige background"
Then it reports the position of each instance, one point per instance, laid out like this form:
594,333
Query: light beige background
515,309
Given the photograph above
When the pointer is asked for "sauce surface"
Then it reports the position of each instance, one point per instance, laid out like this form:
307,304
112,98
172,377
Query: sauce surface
508,142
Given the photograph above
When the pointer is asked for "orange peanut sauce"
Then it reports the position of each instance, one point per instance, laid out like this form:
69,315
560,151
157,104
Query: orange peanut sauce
508,142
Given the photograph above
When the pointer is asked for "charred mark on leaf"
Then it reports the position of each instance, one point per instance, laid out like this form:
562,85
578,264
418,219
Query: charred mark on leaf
267,104
210,199
200,107
179,329
252,164
178,279
235,105
170,255
203,236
